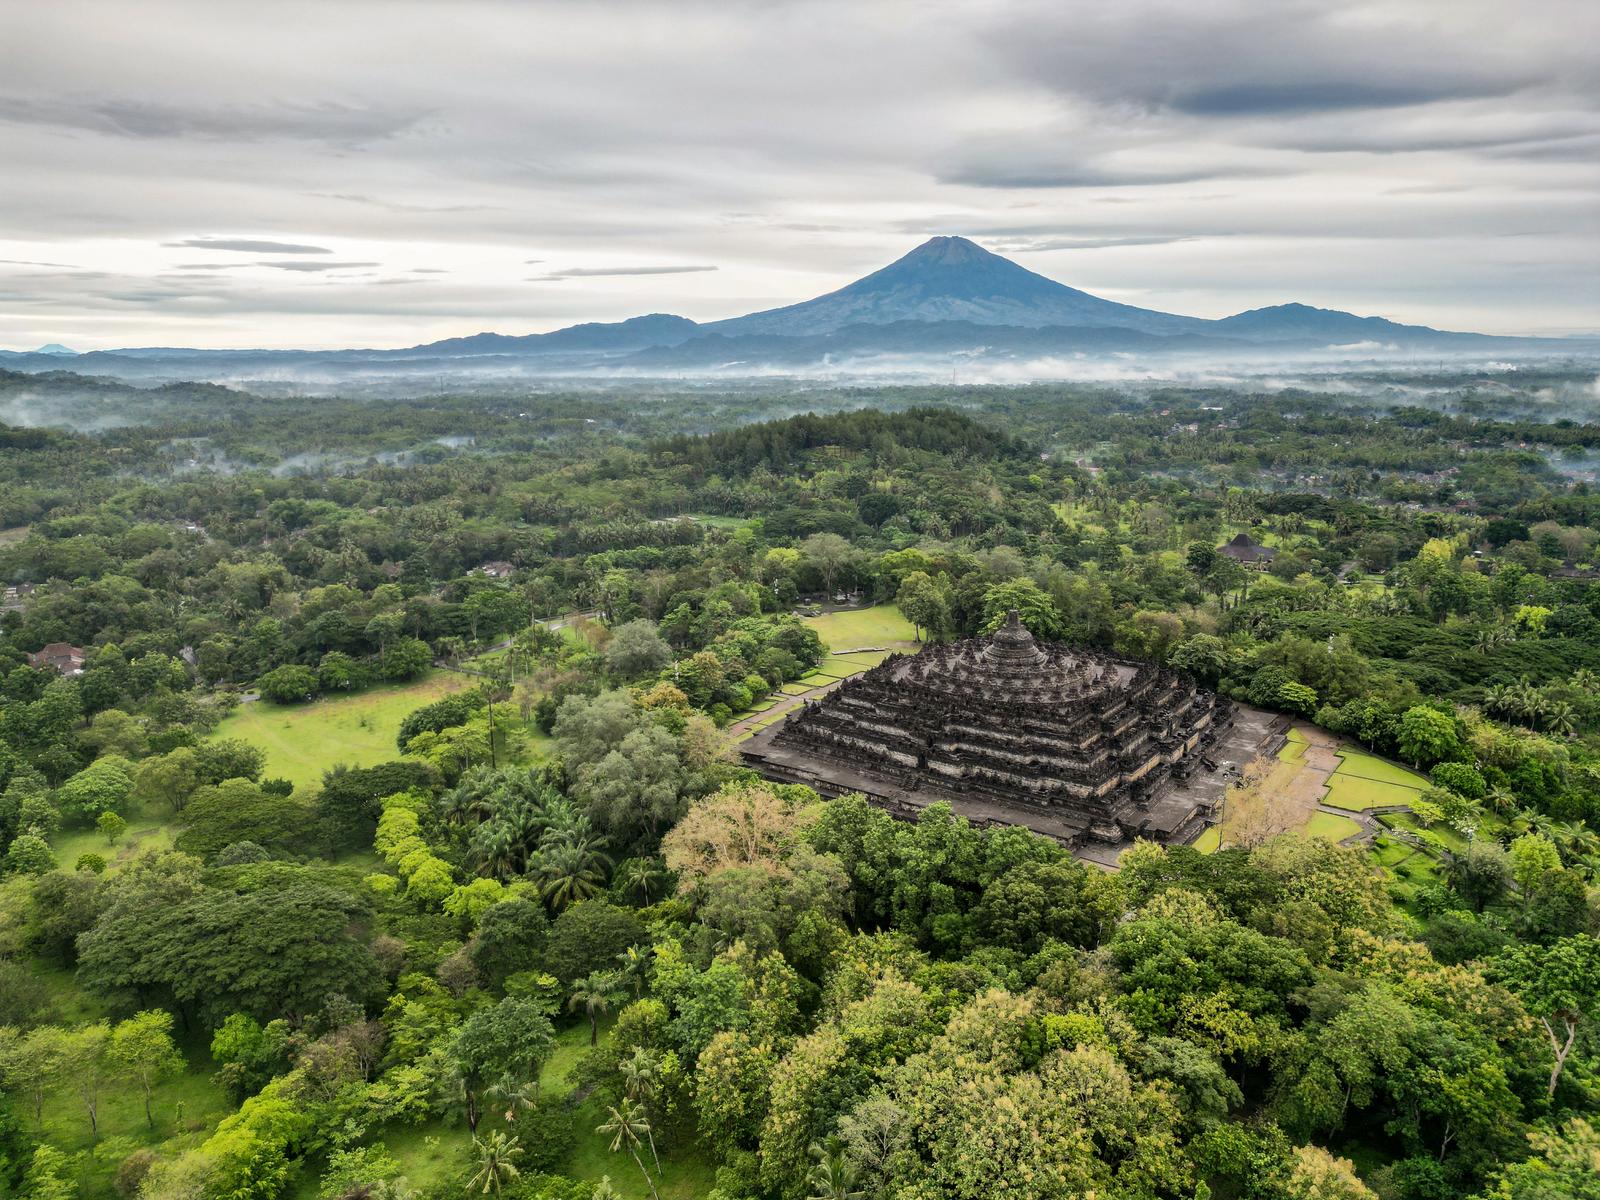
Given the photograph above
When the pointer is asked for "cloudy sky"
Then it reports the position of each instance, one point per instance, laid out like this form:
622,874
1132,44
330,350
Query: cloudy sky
379,173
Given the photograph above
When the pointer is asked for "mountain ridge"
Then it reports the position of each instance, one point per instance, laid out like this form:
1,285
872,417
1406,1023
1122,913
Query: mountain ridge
948,295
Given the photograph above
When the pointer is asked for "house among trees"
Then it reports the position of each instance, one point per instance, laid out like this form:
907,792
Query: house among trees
16,597
61,657
497,569
1248,552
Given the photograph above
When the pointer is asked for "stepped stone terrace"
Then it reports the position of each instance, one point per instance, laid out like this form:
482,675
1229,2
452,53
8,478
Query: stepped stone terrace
1083,747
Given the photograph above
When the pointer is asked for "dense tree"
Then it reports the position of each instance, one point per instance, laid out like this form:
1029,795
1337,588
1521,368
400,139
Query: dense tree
280,950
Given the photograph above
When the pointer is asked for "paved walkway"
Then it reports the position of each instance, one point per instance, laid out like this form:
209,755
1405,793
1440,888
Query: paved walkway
786,704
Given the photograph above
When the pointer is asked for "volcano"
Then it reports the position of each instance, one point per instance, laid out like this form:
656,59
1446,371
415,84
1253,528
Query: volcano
954,279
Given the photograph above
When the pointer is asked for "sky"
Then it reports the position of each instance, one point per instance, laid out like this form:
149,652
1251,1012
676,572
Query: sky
383,173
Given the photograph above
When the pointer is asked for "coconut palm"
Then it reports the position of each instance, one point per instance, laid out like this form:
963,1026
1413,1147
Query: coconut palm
1530,820
1497,698
497,1155
1574,839
1584,679
628,1126
1531,702
1560,718
634,967
595,994
1491,637
639,1073
832,1176
1500,798
518,1096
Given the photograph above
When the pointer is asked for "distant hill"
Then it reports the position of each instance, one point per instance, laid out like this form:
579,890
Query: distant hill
636,333
1301,321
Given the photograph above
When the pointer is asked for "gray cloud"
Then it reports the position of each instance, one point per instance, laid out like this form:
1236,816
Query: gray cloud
1328,95
248,246
1042,245
327,121
292,265
1029,165
1369,155
596,272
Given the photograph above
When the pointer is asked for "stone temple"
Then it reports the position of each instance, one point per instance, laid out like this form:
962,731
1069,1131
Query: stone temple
1081,746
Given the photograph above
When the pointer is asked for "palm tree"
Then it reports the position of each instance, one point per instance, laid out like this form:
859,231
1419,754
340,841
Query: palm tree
635,967
832,1177
627,1126
1574,839
518,1097
1491,637
1501,798
494,847
1529,820
1530,702
639,1085
1499,698
497,1155
639,877
1561,718
1584,680
571,871
595,995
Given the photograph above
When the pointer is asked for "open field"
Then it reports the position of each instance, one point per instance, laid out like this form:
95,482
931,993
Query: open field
1326,825
1357,794
145,832
881,625
186,1107
302,741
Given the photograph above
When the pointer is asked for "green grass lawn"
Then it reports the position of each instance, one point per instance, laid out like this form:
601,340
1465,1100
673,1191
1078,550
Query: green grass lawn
1326,825
144,833
1320,825
1293,747
1439,832
1356,794
1370,766
302,741
1364,781
185,1108
881,625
